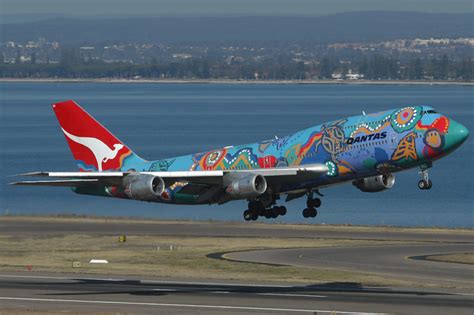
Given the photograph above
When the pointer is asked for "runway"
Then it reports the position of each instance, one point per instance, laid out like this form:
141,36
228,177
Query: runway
175,295
26,226
393,260
88,294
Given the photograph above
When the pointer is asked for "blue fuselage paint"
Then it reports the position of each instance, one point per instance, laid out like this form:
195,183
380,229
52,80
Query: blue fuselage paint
352,148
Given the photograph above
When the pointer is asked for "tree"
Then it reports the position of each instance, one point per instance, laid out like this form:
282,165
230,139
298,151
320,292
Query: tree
300,70
70,56
326,68
18,57
416,70
444,68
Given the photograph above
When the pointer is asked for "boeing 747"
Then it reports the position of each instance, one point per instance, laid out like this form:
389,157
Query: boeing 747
364,150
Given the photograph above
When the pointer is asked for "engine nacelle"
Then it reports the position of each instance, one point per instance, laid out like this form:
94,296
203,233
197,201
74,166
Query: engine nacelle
143,186
244,185
375,183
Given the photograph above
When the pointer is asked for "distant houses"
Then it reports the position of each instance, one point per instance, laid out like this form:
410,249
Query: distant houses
347,76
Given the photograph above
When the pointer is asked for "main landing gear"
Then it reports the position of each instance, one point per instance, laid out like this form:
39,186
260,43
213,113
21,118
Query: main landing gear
425,183
258,209
266,207
312,203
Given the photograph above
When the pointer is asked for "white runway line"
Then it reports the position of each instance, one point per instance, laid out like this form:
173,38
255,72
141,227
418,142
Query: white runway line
294,295
220,292
224,307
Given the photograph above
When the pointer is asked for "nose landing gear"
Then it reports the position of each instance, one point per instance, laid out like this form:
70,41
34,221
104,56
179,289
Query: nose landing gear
425,183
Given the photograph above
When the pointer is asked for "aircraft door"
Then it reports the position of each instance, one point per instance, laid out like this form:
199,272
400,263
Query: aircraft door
393,140
337,148
266,162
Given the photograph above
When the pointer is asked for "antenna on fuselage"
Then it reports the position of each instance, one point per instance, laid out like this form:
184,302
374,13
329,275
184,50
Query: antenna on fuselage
363,112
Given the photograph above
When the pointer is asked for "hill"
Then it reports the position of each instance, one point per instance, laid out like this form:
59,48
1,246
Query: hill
344,27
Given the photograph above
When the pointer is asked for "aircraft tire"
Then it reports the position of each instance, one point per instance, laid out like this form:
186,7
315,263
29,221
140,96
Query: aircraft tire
282,210
306,213
429,184
313,203
275,213
314,212
248,215
422,184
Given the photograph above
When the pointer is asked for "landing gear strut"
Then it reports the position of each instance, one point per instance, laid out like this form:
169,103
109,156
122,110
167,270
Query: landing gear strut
312,203
425,182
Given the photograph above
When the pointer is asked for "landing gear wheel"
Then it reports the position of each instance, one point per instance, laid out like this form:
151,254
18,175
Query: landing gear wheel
248,215
310,213
254,216
313,203
274,212
422,184
282,210
430,184
425,182
268,214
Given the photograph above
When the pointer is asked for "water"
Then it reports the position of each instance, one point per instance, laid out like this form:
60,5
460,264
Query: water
164,120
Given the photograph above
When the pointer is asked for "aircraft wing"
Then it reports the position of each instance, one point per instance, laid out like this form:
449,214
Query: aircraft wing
212,177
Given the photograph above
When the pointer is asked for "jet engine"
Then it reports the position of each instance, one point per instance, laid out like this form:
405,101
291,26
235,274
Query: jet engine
375,183
143,186
244,185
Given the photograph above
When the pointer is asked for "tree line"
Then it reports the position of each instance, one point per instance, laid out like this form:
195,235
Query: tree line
373,67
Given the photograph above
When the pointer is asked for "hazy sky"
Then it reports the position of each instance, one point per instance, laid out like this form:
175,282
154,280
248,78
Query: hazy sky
224,7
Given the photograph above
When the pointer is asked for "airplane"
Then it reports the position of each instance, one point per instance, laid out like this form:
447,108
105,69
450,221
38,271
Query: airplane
365,150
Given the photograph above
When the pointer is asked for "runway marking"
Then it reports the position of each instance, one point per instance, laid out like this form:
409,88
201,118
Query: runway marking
246,308
152,281
293,295
467,294
166,290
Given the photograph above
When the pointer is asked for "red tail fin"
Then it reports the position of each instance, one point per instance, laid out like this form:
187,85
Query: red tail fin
92,145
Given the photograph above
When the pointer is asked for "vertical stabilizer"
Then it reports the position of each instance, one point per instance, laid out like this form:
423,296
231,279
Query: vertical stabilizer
92,145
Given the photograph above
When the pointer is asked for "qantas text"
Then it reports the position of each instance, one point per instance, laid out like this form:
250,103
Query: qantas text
374,136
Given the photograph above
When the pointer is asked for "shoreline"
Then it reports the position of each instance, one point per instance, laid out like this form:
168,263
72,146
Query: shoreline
228,81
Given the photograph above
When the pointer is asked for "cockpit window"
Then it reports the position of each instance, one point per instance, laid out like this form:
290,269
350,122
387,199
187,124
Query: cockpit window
430,111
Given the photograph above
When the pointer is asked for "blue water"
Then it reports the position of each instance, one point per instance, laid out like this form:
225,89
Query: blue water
164,120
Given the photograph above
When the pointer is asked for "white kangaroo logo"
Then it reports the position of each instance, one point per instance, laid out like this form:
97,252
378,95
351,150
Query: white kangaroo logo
101,151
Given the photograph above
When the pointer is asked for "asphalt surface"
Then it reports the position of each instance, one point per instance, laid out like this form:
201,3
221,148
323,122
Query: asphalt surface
22,226
81,294
89,294
393,261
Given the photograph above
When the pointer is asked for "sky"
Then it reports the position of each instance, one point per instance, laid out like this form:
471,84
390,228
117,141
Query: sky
114,8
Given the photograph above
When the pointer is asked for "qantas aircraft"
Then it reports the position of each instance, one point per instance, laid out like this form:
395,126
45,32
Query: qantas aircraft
364,150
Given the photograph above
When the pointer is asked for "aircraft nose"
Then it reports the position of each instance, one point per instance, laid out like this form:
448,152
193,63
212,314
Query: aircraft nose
458,133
